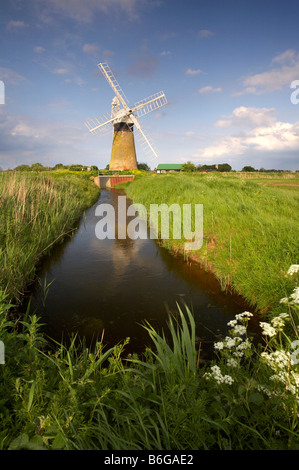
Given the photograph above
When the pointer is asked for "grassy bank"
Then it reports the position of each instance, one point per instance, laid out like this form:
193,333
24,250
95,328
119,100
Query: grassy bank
250,229
37,210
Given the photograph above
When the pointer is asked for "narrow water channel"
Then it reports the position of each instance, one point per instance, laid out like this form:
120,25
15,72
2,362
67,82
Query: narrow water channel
115,285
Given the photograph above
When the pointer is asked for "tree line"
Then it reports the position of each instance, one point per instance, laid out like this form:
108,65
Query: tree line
186,167
58,166
222,167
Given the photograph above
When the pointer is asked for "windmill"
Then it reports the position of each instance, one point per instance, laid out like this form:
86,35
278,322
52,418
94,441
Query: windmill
123,118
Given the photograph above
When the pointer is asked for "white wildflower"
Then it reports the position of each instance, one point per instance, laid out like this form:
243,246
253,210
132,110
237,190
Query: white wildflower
284,300
295,295
278,377
277,359
230,342
241,347
290,381
296,379
216,374
260,388
244,345
243,315
239,330
231,362
294,268
218,346
232,323
268,330
278,322
238,354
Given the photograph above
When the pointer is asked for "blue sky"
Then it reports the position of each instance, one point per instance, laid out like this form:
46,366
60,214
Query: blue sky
226,68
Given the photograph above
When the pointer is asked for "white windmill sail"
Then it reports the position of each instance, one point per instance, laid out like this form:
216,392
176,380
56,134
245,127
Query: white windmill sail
124,113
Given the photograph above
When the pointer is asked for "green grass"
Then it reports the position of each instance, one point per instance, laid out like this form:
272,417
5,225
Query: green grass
250,230
77,399
74,398
36,212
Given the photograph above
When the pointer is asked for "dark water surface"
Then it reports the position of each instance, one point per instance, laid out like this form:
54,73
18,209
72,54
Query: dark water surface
114,285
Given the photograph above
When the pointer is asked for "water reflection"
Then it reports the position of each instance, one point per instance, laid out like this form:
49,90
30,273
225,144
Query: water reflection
114,285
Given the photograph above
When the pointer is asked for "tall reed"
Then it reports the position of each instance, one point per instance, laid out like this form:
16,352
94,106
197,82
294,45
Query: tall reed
36,211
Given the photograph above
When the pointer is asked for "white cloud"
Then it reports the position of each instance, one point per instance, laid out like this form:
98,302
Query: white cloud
226,147
248,117
39,49
10,76
259,134
84,11
205,33
91,49
108,53
285,70
258,137
14,25
210,89
29,140
288,56
280,136
193,72
61,71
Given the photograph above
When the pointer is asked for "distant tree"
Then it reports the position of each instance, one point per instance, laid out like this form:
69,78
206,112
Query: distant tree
23,168
248,168
224,167
37,167
188,167
58,166
207,167
76,167
143,166
93,168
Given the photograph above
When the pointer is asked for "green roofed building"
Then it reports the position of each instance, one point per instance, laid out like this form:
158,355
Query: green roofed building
166,167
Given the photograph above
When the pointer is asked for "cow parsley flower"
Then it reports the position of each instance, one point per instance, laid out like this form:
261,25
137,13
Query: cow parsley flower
294,268
217,375
231,362
277,360
295,295
218,346
278,322
244,315
239,330
267,329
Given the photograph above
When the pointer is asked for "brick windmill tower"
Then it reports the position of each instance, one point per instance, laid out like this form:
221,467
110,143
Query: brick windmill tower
123,118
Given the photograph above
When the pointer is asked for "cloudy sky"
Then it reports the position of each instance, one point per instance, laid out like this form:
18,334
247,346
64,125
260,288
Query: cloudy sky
226,67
